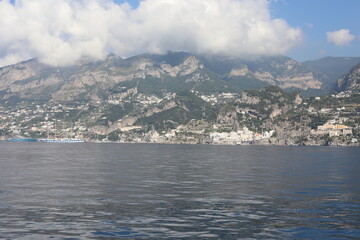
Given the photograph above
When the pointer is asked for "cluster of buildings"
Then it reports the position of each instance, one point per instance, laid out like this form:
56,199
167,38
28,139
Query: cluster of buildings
216,98
239,137
244,136
334,128
39,121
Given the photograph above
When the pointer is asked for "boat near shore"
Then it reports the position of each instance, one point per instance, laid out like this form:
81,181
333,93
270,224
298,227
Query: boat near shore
22,140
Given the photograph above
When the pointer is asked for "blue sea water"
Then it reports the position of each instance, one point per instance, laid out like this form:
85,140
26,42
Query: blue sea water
154,191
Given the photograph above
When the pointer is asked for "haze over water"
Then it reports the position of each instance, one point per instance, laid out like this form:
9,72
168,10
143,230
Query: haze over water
150,191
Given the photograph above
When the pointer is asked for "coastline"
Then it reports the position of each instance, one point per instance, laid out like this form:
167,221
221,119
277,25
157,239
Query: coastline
330,144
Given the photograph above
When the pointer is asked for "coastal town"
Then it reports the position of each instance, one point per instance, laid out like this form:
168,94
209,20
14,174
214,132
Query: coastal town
92,121
183,98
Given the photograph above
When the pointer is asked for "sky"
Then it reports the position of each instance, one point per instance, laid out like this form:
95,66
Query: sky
62,32
318,17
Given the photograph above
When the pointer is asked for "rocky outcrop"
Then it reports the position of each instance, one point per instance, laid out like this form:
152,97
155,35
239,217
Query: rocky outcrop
248,98
239,72
350,81
301,81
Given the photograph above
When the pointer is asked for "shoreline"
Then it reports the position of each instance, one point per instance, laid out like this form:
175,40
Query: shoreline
183,143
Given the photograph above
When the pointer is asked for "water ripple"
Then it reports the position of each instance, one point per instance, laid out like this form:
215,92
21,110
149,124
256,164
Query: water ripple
127,191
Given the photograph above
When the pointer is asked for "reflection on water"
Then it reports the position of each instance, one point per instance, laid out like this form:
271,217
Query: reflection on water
114,191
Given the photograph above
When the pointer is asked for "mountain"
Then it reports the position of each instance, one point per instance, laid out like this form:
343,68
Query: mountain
330,69
179,98
350,81
151,74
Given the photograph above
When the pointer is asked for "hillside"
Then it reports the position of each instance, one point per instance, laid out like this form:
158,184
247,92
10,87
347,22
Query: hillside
268,116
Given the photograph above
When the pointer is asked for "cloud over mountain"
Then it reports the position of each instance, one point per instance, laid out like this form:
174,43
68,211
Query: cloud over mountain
60,32
342,37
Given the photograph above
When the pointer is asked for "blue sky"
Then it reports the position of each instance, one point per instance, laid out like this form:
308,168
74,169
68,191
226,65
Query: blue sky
315,18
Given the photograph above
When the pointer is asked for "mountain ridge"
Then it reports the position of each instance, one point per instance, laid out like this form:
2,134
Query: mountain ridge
31,79
171,72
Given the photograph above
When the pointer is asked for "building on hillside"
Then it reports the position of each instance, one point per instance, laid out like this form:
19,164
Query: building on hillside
333,129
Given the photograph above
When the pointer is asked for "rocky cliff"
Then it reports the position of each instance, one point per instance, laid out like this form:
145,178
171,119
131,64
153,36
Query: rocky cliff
350,81
150,74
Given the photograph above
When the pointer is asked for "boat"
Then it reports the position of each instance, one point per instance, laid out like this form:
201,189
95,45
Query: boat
22,140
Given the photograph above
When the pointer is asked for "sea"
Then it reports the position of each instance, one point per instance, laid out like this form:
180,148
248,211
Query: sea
156,191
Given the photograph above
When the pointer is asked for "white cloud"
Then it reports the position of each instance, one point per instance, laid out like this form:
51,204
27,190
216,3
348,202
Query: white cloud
60,32
342,37
309,25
